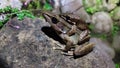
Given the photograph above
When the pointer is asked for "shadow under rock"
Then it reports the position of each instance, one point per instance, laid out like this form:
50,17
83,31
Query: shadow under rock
3,64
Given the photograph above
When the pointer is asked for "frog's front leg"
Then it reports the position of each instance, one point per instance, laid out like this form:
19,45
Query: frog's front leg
72,31
64,51
67,46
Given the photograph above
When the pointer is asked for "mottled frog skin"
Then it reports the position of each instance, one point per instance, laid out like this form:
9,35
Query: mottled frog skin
73,31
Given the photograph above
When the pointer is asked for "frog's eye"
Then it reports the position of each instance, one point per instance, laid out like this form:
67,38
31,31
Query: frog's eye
54,20
65,17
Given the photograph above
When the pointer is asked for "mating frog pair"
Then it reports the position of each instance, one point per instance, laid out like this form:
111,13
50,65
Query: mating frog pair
74,32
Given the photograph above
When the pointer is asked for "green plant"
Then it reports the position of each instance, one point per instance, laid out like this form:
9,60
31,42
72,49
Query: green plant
99,35
117,65
14,12
39,4
47,6
115,29
24,13
93,7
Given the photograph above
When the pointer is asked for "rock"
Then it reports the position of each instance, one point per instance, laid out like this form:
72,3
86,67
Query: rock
116,42
104,46
116,15
102,22
2,17
72,6
31,46
3,4
116,46
110,4
13,3
93,6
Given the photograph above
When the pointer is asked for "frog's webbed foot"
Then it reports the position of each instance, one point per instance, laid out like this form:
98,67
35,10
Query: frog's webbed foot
69,53
59,46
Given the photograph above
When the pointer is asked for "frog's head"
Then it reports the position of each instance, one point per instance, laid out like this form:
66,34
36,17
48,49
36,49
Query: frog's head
50,17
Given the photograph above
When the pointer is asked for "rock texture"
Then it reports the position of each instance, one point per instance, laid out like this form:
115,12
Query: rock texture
72,6
116,42
29,47
104,45
102,22
13,3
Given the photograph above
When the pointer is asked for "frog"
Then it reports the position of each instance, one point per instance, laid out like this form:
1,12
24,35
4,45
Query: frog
73,31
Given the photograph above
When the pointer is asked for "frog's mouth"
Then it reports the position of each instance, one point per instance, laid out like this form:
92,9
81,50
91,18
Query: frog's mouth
50,32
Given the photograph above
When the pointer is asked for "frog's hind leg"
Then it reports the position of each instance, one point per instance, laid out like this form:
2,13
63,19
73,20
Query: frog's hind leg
84,49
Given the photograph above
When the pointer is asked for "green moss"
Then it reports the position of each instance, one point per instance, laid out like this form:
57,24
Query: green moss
12,12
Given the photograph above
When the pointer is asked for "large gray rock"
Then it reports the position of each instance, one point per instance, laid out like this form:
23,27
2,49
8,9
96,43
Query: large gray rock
116,42
13,3
72,6
102,22
29,47
104,45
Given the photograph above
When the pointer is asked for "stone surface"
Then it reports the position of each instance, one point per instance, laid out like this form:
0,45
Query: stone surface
116,42
104,45
29,47
116,46
72,6
13,3
102,22
116,14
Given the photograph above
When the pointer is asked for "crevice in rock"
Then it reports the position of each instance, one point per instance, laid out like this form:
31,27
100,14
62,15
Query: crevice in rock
50,32
3,64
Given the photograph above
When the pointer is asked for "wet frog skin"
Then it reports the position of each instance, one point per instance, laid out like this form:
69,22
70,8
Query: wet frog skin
73,31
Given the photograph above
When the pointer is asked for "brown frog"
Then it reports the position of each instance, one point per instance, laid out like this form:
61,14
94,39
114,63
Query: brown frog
73,31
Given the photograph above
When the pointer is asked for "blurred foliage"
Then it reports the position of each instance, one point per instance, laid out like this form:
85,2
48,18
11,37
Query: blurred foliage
98,35
47,6
102,36
115,13
38,4
115,29
9,13
33,5
91,26
113,32
92,7
24,13
117,65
